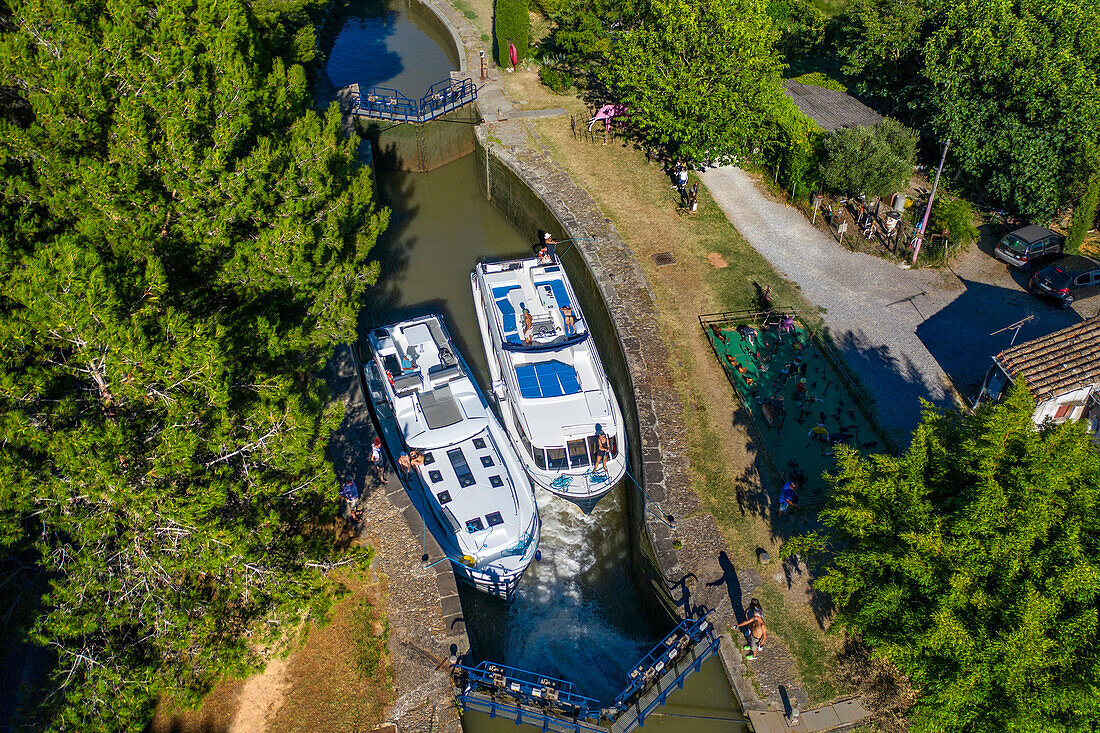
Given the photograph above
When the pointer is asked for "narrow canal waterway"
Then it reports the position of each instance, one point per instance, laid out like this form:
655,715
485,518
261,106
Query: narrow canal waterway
576,614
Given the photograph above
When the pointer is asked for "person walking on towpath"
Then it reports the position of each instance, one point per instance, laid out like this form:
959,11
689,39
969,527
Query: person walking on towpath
378,461
754,629
349,495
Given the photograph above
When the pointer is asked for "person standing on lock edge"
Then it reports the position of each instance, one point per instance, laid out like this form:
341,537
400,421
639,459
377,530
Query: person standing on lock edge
754,629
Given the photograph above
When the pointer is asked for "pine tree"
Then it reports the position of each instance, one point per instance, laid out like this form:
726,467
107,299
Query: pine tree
973,563
183,243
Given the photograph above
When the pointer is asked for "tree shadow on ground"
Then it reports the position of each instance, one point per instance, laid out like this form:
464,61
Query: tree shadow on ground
972,329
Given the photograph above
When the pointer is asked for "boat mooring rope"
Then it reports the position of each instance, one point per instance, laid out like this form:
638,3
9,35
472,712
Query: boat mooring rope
649,501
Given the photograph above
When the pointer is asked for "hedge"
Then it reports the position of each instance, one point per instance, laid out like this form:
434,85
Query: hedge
511,23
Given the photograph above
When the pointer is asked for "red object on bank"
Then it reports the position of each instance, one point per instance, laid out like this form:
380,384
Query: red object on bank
512,54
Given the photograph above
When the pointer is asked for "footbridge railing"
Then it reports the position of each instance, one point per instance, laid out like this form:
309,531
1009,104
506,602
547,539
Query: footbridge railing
445,96
556,705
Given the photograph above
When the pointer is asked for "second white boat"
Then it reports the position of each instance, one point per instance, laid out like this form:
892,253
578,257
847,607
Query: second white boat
554,397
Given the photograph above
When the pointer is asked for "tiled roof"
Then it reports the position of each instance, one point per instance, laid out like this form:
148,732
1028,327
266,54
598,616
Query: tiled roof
1056,363
830,109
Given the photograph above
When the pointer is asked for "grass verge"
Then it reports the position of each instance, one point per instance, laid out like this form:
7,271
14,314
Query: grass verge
715,270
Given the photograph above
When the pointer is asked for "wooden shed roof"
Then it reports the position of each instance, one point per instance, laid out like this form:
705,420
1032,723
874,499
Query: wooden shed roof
1058,362
830,109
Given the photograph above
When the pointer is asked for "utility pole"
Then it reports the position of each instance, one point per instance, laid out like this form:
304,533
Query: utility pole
918,236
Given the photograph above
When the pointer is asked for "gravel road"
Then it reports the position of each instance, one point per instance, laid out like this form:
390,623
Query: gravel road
902,331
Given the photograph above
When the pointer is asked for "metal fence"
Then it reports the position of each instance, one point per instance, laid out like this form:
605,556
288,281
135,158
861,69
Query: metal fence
772,316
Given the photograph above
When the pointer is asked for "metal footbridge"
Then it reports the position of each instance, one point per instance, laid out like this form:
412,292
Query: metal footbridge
556,705
445,96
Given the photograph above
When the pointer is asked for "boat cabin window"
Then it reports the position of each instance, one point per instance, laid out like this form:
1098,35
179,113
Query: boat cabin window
462,469
479,443
496,481
540,458
526,443
450,517
443,496
474,525
612,442
557,459
487,461
429,459
435,476
494,519
578,454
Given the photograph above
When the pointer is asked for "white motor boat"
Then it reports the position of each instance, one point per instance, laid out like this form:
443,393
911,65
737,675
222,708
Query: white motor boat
555,399
471,489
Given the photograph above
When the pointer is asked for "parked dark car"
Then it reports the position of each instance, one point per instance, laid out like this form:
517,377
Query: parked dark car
1067,279
1030,246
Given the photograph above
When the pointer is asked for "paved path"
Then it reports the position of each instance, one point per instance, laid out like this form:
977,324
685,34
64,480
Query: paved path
902,331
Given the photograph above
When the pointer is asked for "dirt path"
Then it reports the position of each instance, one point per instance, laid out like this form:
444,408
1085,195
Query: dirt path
260,697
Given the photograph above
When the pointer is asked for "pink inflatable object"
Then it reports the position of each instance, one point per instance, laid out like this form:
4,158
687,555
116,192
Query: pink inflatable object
606,113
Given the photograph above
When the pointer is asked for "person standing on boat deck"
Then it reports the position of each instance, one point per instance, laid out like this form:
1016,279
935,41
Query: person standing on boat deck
528,326
378,461
404,462
603,447
416,458
570,321
349,494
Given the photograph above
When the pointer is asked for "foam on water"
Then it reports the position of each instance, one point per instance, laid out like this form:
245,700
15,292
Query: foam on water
558,622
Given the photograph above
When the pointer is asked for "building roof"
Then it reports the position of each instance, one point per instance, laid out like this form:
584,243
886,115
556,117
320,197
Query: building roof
830,109
1058,362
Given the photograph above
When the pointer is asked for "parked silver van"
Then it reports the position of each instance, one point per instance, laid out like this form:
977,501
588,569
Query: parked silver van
1030,246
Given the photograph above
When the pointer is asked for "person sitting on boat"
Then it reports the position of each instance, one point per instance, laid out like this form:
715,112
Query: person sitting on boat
528,326
407,460
603,447
570,321
546,249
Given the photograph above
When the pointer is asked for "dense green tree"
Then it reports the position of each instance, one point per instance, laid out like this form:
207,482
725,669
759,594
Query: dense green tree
871,160
1084,212
511,24
583,28
699,77
880,44
1016,86
972,562
183,242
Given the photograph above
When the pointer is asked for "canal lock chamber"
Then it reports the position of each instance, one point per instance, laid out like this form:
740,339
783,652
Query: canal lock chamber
597,601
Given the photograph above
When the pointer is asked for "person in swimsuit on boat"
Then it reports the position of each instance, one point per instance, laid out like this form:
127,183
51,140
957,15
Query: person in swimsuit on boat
570,321
603,447
528,326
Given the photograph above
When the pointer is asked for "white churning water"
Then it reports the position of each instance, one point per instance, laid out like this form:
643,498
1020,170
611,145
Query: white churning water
560,623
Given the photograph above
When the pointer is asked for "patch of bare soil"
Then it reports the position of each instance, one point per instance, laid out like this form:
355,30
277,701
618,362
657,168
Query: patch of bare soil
717,261
339,680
